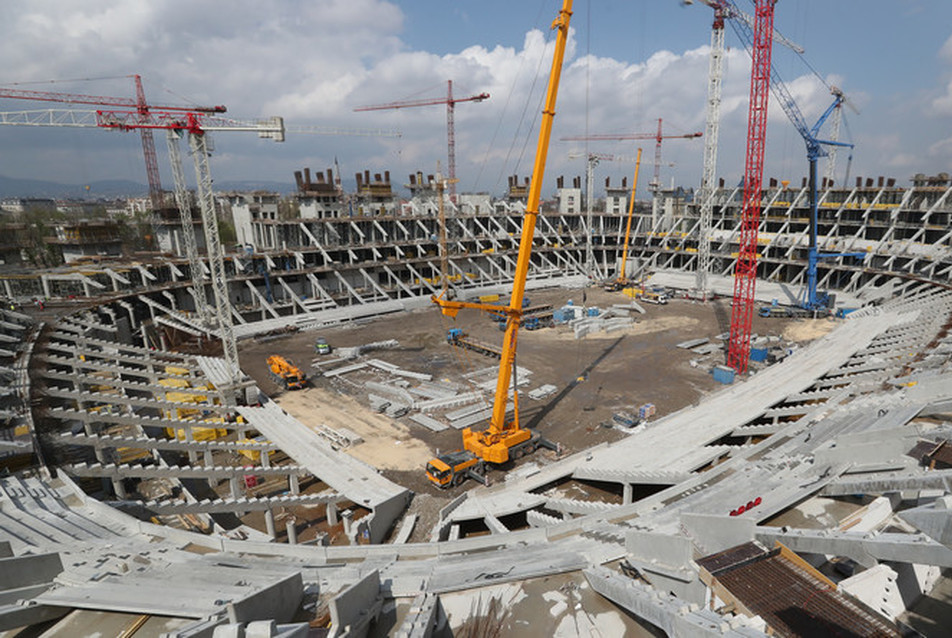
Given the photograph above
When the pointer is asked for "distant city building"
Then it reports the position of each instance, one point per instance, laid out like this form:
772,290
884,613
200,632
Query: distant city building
247,208
321,198
88,239
23,204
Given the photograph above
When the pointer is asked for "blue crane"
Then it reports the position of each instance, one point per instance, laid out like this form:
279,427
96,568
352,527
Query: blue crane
812,300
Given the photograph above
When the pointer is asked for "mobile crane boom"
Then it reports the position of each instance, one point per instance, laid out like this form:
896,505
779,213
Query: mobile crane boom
493,444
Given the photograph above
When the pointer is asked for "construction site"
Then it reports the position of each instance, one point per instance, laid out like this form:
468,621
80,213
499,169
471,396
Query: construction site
462,415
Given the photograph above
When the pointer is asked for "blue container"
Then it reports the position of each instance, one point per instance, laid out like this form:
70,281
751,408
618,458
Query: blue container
593,312
758,354
723,374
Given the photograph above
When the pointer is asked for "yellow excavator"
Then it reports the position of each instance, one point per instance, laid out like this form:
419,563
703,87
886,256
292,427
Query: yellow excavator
504,439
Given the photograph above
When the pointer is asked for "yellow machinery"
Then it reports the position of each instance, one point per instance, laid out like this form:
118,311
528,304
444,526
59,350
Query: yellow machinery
285,373
622,280
178,394
503,440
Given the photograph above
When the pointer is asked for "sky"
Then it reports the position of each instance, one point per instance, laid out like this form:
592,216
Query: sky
627,64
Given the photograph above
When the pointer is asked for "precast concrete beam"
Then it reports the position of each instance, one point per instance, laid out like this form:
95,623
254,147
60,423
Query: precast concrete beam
886,483
865,548
672,615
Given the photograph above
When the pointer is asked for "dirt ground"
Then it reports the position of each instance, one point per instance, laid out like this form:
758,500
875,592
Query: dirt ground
596,377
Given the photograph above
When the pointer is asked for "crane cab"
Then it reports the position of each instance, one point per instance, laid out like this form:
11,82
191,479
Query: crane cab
452,468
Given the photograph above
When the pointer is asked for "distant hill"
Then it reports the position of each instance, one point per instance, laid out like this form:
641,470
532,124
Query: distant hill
108,189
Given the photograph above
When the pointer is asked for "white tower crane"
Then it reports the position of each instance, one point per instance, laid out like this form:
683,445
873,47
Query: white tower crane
722,9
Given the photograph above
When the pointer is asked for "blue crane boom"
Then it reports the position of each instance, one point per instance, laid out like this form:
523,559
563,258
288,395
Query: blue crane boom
815,149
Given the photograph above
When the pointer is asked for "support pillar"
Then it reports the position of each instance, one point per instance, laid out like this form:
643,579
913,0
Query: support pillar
348,518
291,527
209,461
119,489
235,493
627,493
294,484
269,523
331,514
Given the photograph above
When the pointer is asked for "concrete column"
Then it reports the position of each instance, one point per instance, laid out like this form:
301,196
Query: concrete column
348,517
44,280
627,493
209,461
87,289
269,523
235,492
265,459
119,489
292,531
331,514
294,484
7,288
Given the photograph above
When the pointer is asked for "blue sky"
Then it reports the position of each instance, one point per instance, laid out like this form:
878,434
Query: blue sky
628,64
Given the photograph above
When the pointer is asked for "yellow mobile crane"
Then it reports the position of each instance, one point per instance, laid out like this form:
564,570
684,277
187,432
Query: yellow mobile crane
622,280
503,440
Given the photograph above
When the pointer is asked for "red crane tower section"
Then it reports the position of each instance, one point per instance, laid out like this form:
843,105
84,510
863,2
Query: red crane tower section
745,270
450,103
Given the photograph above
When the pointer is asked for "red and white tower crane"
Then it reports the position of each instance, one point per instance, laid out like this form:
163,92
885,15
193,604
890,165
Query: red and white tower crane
450,103
142,107
655,185
745,270
177,123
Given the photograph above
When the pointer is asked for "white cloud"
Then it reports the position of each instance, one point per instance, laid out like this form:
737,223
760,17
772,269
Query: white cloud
313,62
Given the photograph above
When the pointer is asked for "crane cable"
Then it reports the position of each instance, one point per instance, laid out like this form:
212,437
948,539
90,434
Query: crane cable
528,136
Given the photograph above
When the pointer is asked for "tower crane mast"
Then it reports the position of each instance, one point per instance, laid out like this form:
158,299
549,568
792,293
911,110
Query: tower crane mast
745,269
196,126
723,9
450,103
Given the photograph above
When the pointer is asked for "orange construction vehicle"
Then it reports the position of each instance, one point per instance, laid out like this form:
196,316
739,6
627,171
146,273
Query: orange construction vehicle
283,372
504,439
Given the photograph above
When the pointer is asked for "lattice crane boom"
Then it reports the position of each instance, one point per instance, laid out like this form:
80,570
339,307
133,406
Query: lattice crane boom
745,269
450,103
138,103
723,9
816,148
